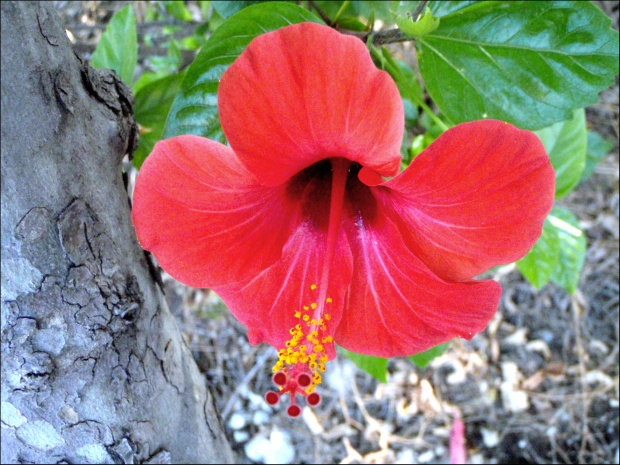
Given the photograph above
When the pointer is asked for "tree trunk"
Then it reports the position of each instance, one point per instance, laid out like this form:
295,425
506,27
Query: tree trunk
94,368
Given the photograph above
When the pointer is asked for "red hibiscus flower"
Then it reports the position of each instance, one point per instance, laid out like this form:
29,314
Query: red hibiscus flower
296,229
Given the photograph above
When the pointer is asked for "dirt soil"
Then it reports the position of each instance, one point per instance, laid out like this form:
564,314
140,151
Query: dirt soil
540,385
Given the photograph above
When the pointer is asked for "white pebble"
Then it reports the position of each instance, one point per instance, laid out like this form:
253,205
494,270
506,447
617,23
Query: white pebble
281,450
260,418
241,436
489,438
255,449
237,421
426,457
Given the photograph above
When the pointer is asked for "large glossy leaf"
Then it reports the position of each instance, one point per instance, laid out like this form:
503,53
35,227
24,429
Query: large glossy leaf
153,102
228,8
194,110
422,359
375,366
540,262
118,46
566,144
572,248
527,63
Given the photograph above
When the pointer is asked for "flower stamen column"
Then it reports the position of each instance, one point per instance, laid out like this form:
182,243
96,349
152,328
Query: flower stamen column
297,369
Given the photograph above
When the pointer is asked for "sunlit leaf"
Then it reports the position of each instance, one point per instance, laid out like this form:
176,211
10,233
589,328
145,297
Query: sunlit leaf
375,366
572,248
153,102
566,144
422,359
118,47
540,262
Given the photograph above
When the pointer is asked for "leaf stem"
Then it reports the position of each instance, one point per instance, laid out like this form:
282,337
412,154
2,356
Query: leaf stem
340,11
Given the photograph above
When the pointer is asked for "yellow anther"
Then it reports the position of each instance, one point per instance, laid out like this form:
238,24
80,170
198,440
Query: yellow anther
312,357
321,322
297,315
302,348
328,316
306,307
288,343
324,358
323,328
321,367
313,305
313,287
312,365
292,331
313,322
318,348
306,317
328,339
317,378
328,300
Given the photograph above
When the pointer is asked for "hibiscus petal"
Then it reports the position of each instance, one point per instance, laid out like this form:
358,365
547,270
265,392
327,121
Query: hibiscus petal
204,216
267,303
475,198
305,93
396,306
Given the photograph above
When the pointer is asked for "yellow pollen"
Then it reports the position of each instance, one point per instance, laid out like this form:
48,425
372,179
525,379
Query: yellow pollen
306,346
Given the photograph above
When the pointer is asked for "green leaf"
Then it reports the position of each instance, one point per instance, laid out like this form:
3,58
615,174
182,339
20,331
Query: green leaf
422,359
566,144
527,63
425,25
118,47
443,8
153,102
572,248
227,9
374,366
598,147
540,262
194,110
178,10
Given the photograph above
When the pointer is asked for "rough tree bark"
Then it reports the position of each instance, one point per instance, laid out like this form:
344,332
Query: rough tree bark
94,368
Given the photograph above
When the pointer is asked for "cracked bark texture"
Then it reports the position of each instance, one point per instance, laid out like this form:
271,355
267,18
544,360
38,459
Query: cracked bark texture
94,368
